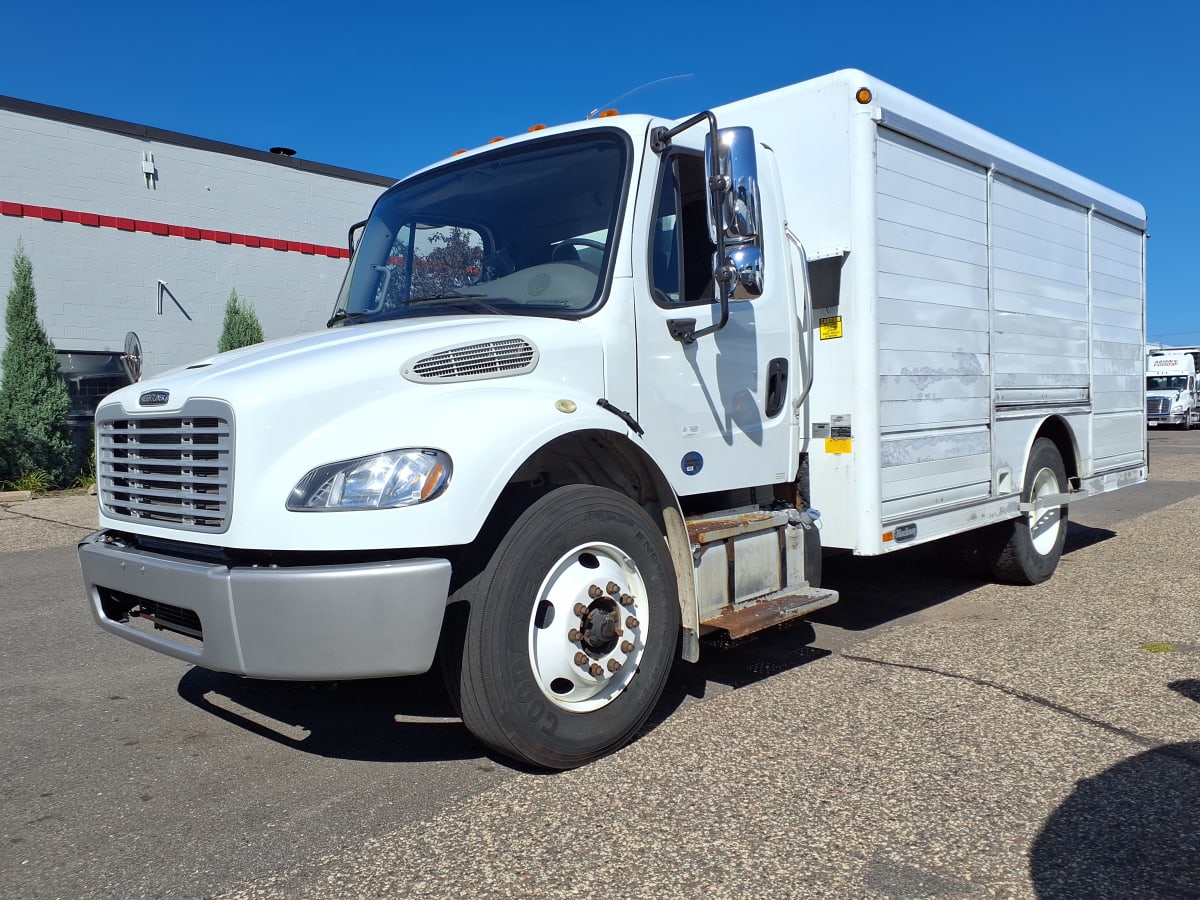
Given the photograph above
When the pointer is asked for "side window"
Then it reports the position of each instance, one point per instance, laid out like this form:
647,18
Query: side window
681,254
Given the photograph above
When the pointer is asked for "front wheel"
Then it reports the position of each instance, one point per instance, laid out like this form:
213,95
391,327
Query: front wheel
572,630
1027,549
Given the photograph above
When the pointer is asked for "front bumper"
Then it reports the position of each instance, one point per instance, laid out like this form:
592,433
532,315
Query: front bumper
1168,419
305,623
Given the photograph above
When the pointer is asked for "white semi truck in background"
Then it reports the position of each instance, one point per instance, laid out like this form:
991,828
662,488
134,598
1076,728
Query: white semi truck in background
584,392
1172,395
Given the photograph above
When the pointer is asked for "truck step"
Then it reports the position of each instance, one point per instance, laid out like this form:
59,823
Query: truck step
771,611
706,531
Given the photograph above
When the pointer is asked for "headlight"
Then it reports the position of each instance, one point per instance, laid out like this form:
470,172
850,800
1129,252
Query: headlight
383,481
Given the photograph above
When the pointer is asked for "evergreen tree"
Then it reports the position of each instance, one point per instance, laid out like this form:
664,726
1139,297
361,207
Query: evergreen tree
241,327
34,402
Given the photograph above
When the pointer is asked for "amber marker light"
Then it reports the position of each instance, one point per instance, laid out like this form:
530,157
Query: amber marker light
609,113
533,128
459,152
863,95
433,481
496,140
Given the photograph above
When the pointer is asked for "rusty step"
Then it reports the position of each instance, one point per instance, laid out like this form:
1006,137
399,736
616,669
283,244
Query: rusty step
771,611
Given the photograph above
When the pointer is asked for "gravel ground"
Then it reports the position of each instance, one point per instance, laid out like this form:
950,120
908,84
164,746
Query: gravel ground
1011,742
51,521
1019,742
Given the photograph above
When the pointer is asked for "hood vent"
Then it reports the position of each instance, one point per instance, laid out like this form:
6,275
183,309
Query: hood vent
471,362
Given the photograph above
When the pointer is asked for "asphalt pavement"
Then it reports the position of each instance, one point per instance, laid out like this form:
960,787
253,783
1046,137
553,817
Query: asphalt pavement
930,736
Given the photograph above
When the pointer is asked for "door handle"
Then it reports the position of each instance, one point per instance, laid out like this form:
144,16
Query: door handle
777,376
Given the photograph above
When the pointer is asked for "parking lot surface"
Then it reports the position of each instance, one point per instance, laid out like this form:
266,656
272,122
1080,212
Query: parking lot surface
930,736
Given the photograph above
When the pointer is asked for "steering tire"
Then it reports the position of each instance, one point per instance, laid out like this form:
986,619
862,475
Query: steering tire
572,630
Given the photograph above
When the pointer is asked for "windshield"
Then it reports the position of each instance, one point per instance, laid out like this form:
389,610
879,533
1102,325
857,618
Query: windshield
528,231
1166,382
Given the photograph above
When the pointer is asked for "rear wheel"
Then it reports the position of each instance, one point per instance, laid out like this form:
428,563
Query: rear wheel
572,630
1026,550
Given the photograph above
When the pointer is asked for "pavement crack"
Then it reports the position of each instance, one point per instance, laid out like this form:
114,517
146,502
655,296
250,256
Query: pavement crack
24,515
1173,751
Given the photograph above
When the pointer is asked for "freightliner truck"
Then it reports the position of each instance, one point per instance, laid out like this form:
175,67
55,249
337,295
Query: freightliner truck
594,392
1172,395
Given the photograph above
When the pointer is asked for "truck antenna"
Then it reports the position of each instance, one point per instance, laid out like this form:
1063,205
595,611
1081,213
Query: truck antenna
595,112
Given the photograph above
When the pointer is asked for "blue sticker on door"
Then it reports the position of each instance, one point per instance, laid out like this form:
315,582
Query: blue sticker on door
692,463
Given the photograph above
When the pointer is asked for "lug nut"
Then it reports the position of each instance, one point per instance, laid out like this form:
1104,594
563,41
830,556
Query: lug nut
581,659
596,670
594,592
626,647
627,600
580,610
614,666
574,635
631,622
614,588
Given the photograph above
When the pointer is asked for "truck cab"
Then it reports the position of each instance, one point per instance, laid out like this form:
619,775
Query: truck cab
1172,396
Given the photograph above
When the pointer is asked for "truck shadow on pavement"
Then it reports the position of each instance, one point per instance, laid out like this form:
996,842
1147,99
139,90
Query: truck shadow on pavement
1131,831
879,589
373,720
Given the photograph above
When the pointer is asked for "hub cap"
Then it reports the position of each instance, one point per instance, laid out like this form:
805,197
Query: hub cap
1044,523
586,633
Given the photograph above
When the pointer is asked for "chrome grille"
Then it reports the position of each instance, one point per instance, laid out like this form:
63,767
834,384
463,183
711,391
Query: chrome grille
468,362
175,471
1158,406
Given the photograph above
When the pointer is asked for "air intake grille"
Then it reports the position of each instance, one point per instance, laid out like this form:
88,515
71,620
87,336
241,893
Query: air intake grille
175,471
468,362
1158,406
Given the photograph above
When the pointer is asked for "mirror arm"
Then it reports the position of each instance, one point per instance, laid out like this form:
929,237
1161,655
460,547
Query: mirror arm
726,274
350,234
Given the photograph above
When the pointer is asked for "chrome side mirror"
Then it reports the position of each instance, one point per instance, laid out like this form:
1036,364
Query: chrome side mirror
735,209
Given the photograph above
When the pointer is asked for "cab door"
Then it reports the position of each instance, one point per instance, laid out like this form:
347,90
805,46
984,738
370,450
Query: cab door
717,413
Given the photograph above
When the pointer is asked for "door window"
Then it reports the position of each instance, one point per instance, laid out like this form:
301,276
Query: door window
681,255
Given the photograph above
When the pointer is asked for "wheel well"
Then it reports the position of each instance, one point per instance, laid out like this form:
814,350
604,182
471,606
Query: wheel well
603,459
1058,431
595,457
599,458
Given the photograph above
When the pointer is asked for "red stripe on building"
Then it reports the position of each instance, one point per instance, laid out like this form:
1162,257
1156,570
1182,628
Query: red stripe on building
96,220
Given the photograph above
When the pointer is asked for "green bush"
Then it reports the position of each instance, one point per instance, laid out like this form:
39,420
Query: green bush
34,403
241,327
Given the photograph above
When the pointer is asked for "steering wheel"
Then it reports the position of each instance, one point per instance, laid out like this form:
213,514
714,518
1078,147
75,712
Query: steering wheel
577,242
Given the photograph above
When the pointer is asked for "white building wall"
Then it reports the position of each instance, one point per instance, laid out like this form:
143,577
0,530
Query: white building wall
97,277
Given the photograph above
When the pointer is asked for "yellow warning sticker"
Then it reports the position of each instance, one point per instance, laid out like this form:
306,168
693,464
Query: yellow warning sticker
831,327
837,445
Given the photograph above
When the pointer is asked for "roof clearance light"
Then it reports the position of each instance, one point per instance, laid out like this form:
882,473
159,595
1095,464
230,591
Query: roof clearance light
609,113
459,152
496,140
863,95
538,127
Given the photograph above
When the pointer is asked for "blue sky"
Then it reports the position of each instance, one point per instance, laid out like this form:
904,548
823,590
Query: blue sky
1105,88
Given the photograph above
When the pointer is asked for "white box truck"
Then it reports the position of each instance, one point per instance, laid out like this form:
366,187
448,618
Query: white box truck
584,391
1172,396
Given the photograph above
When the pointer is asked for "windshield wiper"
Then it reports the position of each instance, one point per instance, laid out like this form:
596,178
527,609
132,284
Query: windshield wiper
444,296
343,316
456,298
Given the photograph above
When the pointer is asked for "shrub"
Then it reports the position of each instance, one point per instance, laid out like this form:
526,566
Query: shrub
241,327
36,481
34,403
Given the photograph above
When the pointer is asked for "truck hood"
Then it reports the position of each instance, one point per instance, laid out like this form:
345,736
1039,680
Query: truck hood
355,358
487,390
